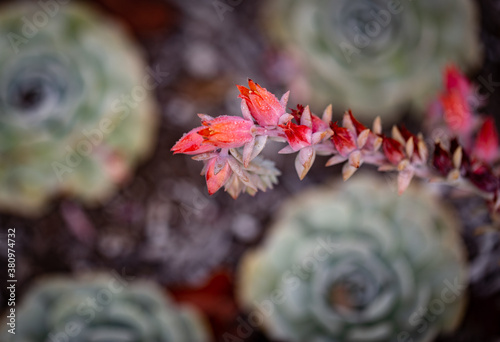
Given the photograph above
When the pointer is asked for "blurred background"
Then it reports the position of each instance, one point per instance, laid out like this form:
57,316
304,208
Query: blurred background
160,224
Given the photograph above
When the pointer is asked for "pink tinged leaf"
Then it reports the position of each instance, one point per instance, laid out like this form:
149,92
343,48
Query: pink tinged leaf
403,165
284,99
336,159
205,156
236,154
404,179
260,143
320,136
220,163
486,144
192,143
247,152
410,147
258,182
363,138
285,118
240,172
423,151
343,139
234,187
217,174
347,171
377,126
386,168
305,119
325,148
304,161
377,143
245,111
457,157
327,114
396,135
355,159
253,148
205,117
287,150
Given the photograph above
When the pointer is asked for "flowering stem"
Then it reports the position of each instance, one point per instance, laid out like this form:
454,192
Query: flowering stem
464,157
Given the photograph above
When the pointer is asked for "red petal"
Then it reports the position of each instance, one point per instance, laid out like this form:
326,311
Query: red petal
455,80
343,139
456,112
244,92
318,125
393,150
486,145
407,134
297,113
358,125
254,86
298,136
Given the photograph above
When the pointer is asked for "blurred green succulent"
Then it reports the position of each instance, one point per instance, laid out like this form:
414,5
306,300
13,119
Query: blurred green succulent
358,263
103,308
76,111
375,56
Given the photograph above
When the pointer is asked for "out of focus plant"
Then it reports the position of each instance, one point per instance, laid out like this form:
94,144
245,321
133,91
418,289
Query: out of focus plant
75,108
375,56
99,308
358,263
465,155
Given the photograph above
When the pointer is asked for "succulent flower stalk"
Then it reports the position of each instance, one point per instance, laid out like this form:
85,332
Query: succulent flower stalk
230,145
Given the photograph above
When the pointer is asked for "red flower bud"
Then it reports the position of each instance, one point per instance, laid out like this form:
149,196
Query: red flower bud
192,143
264,107
227,131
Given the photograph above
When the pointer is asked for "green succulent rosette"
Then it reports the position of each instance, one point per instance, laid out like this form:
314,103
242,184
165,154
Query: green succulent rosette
103,308
375,56
76,110
357,263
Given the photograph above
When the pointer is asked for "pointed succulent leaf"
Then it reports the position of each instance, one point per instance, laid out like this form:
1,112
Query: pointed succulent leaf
304,161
